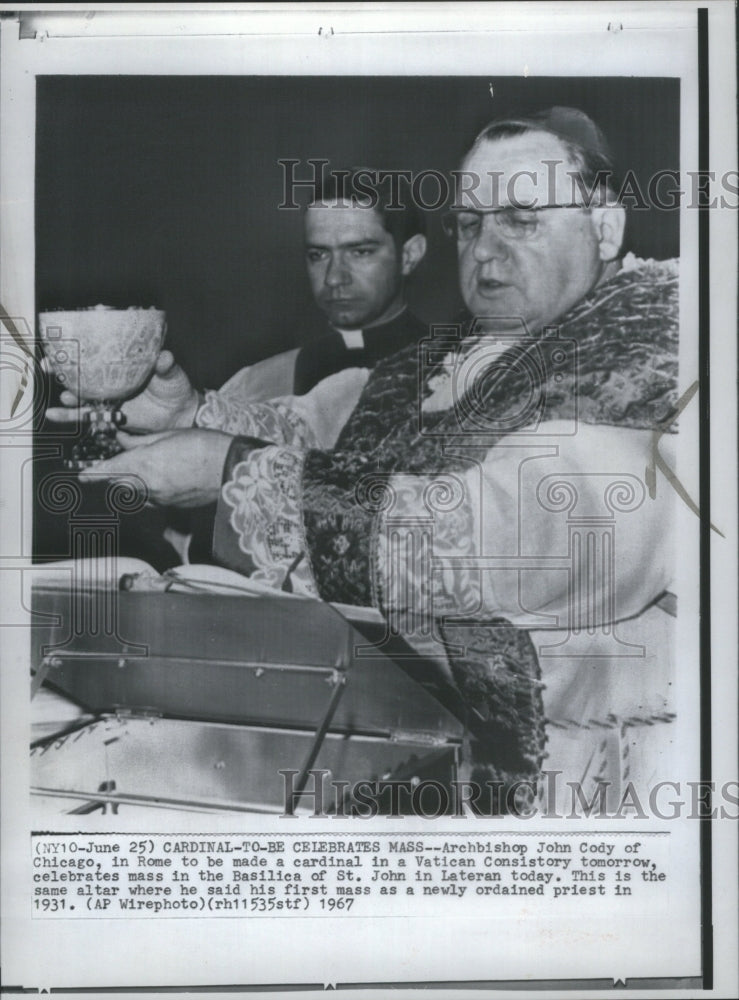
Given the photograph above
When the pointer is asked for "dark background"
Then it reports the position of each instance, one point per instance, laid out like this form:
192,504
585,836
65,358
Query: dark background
164,191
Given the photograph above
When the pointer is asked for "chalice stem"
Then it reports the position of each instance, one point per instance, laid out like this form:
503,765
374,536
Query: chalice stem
99,440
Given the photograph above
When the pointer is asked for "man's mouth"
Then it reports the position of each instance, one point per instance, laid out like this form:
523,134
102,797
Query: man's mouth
489,286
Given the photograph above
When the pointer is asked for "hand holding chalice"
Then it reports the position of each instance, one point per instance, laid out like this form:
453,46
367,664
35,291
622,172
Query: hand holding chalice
102,356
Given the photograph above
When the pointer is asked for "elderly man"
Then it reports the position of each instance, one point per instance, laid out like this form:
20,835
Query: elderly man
491,503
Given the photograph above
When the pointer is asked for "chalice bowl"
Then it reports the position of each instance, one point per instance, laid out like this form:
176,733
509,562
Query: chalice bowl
104,356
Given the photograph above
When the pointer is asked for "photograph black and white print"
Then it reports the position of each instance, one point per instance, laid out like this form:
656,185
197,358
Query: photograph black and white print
360,504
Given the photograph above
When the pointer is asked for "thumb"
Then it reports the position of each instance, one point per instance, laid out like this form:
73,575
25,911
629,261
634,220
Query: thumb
165,364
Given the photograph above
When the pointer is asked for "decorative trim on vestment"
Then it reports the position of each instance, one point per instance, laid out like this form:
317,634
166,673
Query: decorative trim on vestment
264,496
498,678
427,518
274,421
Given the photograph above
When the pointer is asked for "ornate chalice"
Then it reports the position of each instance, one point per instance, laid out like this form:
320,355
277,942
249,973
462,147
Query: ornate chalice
104,356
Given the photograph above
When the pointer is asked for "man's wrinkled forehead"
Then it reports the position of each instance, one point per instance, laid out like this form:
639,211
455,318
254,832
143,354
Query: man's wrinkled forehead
534,167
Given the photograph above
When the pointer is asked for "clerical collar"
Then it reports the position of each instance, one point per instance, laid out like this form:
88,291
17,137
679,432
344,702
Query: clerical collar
355,338
352,338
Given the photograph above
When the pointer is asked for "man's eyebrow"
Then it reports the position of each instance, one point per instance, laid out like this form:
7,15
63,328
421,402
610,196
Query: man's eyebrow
516,206
348,245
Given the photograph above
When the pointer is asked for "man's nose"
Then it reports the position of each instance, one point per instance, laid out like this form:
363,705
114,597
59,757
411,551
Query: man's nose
489,244
337,273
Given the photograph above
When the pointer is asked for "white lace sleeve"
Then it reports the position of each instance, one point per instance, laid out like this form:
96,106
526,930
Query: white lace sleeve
276,421
310,421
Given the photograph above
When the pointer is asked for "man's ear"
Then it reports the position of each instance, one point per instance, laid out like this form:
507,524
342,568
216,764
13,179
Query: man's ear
414,250
610,222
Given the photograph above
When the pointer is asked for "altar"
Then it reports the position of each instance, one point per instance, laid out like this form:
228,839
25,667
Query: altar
171,695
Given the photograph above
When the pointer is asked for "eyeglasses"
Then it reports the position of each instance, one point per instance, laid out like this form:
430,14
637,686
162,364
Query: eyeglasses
512,223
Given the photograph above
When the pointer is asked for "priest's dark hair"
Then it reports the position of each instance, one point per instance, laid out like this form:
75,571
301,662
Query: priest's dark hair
387,192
